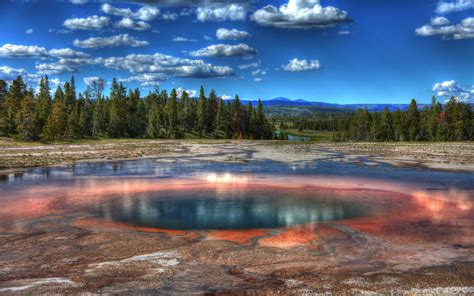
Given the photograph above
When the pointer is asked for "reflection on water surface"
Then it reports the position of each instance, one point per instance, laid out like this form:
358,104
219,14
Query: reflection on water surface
227,209
188,194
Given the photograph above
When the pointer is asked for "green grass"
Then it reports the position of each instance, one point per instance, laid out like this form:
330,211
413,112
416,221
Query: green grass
316,136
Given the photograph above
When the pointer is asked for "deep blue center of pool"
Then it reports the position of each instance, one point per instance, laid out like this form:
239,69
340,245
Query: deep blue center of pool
213,209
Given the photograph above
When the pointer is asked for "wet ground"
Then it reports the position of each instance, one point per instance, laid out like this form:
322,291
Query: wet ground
199,225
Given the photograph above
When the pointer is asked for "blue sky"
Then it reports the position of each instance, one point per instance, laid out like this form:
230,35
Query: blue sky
343,51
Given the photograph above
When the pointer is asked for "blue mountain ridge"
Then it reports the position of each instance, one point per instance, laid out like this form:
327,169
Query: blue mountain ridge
286,102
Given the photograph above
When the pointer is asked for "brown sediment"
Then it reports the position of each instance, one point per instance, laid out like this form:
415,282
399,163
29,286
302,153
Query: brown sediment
101,223
236,236
292,237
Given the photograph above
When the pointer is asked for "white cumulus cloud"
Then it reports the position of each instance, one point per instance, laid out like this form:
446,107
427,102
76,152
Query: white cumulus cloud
128,23
439,21
451,88
35,51
166,66
8,73
112,41
232,34
300,14
90,80
13,50
145,13
219,12
224,50
463,30
296,65
458,5
89,23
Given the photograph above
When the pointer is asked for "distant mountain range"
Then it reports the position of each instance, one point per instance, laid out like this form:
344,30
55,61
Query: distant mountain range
285,102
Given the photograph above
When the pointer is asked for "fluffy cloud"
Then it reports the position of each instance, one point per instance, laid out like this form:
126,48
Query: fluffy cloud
147,79
233,34
183,39
439,21
67,53
463,30
166,66
90,80
145,13
458,5
452,88
66,65
128,23
191,92
224,50
219,12
29,31
296,65
112,41
89,23
258,79
8,73
55,68
343,32
300,14
34,51
22,51
249,66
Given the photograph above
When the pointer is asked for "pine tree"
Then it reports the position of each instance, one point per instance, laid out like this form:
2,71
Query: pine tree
259,121
222,118
189,111
201,112
3,94
236,119
435,111
100,118
26,118
387,122
136,114
56,124
172,116
86,115
73,131
412,120
70,94
153,126
43,104
12,105
118,114
211,111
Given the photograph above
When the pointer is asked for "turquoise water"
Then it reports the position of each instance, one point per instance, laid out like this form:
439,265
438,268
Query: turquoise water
227,209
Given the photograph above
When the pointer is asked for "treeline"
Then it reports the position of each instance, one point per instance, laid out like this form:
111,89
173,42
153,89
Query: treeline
30,115
452,122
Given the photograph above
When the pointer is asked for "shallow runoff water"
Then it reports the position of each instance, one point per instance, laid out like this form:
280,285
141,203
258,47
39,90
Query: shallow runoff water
188,194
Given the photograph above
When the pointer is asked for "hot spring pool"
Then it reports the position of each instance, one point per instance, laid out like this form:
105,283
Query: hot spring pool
227,209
